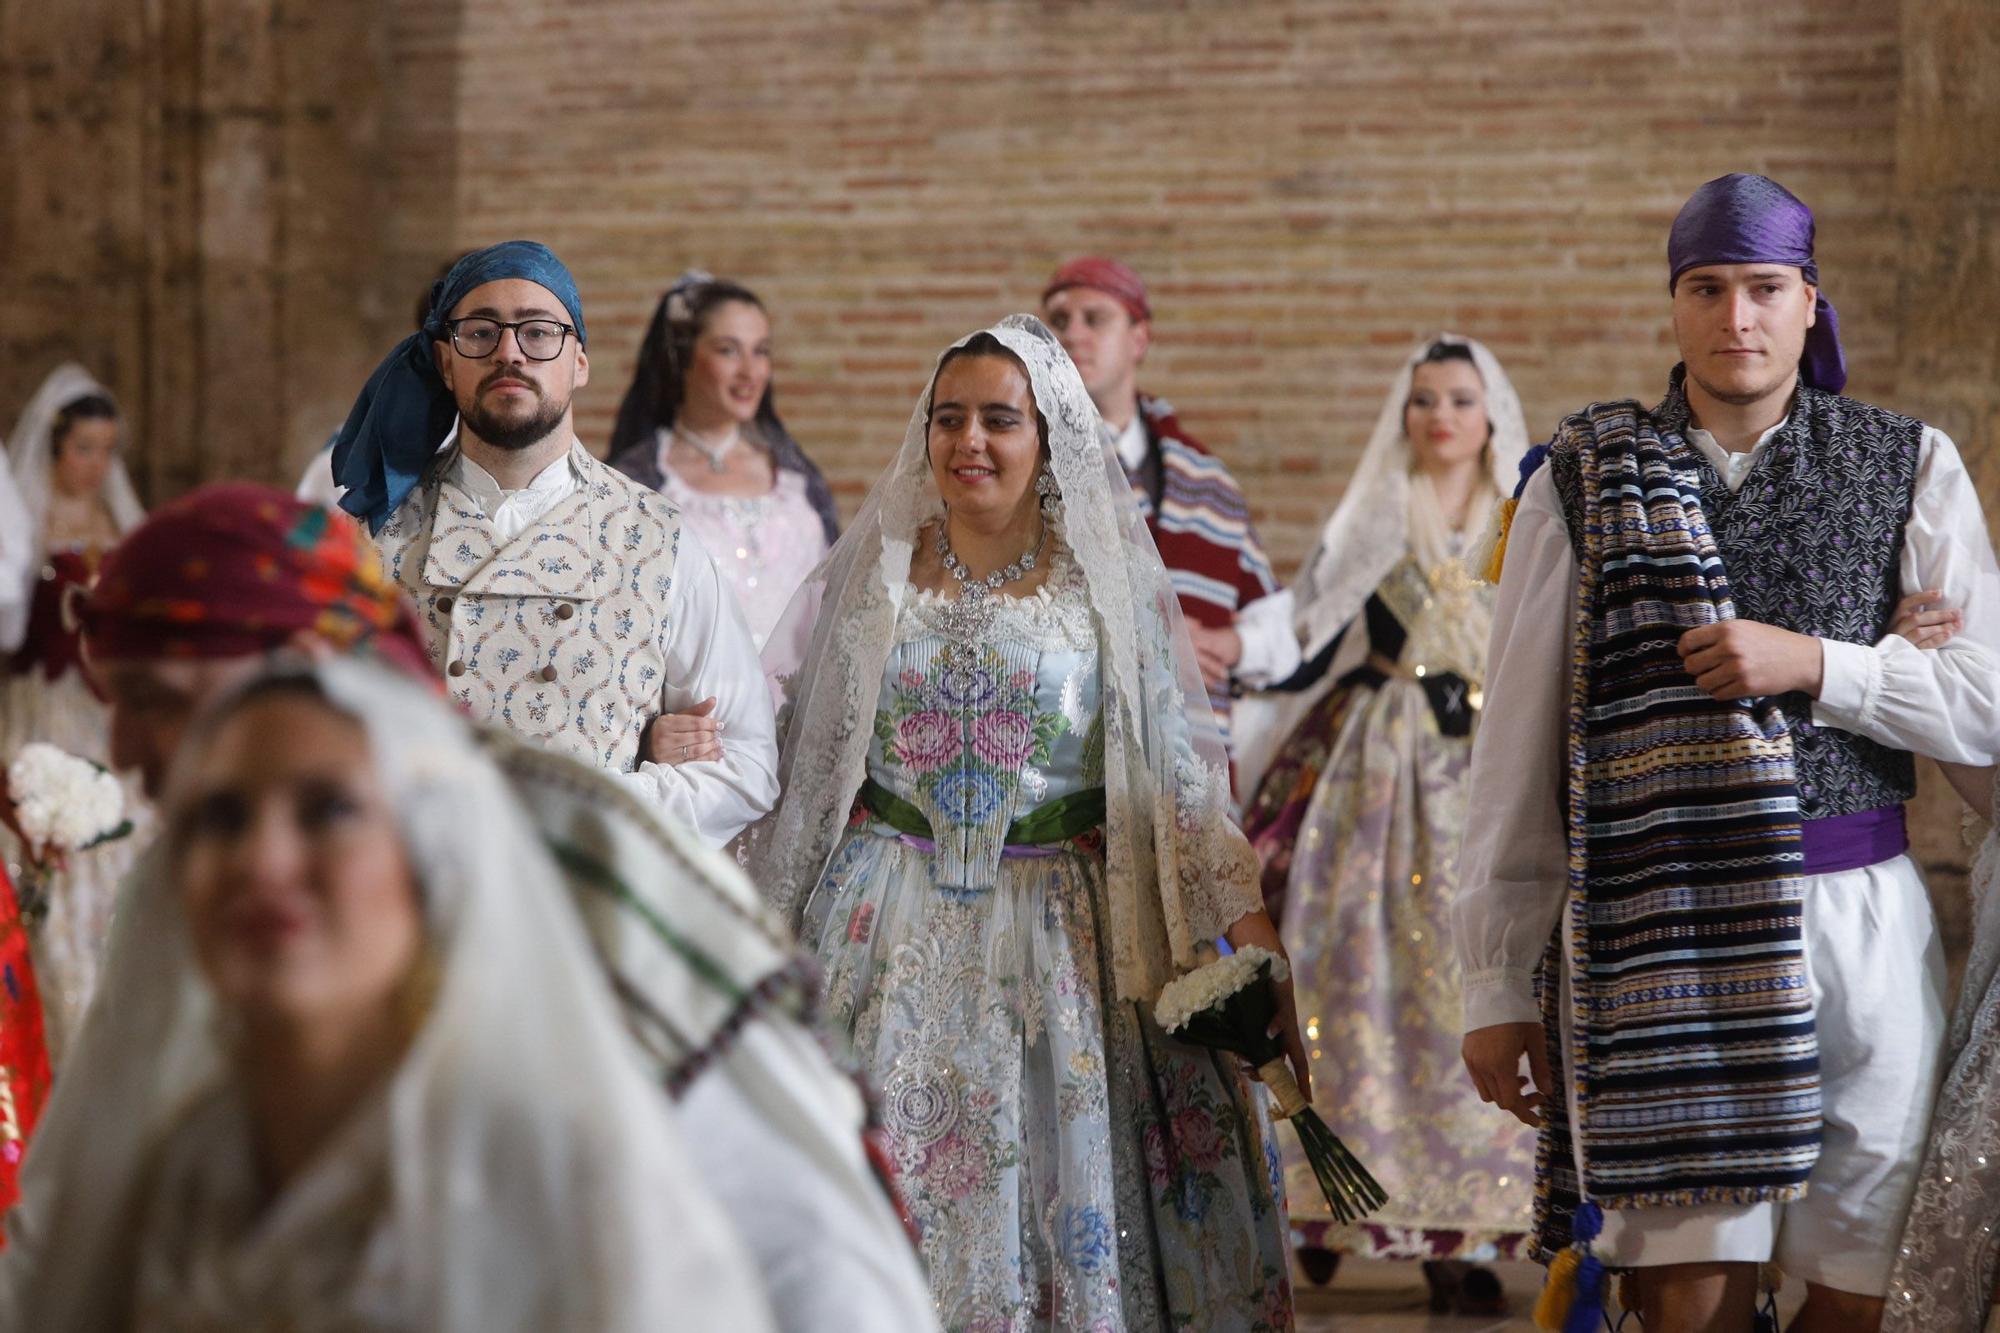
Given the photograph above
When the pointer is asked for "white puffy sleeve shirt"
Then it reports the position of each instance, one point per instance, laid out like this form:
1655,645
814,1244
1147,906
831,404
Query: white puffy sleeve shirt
711,654
1944,703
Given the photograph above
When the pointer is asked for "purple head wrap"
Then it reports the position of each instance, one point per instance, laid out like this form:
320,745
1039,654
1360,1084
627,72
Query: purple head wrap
1740,219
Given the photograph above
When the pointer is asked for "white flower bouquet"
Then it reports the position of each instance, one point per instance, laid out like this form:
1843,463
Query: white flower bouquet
61,804
1228,1005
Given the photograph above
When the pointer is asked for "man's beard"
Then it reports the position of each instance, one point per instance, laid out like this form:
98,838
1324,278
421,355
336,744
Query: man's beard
515,434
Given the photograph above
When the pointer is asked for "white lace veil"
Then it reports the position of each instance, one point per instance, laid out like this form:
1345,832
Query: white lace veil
535,1175
1381,515
17,560
1178,871
31,453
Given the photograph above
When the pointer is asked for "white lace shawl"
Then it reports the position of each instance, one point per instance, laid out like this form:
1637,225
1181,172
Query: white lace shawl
1178,871
17,560
534,1176
1379,519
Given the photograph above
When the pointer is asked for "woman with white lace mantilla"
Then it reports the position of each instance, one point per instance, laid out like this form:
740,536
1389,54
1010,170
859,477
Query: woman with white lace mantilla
1358,820
1004,828
364,1072
65,457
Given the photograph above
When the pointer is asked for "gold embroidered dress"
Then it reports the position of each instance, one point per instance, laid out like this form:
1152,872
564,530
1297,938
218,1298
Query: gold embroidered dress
1357,823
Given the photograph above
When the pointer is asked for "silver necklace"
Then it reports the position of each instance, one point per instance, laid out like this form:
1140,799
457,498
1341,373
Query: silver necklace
966,617
716,454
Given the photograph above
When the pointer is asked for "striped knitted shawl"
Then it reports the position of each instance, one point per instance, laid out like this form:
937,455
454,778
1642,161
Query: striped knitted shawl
1690,1052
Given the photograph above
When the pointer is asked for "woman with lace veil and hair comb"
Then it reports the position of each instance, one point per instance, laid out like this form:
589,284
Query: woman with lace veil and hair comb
1357,823
1005,826
699,424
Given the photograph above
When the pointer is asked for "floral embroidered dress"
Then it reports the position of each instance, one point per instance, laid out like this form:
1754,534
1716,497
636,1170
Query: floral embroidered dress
1357,822
1068,1166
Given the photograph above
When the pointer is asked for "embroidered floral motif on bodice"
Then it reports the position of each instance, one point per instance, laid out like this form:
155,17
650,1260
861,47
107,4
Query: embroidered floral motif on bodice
977,732
557,634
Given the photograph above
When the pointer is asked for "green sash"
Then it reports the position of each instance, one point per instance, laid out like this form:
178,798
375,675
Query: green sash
1056,821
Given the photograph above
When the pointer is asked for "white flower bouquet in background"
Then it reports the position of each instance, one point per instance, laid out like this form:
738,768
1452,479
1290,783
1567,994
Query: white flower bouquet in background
1228,1005
60,804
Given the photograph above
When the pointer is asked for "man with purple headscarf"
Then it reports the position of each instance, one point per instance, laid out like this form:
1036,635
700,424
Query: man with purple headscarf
1703,705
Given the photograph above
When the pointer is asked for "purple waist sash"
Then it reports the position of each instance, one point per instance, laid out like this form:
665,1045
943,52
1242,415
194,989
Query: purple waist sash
1851,842
1013,851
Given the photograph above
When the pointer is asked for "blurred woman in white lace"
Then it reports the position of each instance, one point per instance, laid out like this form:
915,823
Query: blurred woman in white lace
1358,820
64,454
1004,828
386,1086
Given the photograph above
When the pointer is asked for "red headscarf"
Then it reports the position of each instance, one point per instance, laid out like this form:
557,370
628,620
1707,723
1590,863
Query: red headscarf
1107,275
233,569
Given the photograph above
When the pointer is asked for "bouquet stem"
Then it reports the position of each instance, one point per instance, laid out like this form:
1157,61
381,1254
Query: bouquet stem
1350,1191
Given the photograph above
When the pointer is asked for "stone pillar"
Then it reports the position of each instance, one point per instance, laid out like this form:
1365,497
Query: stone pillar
1948,298
194,206
72,224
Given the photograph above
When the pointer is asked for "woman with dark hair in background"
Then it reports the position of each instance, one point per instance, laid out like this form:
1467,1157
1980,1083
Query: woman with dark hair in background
64,456
699,425
1357,824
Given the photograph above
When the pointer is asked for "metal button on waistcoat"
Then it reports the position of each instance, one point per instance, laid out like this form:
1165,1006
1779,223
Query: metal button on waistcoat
548,673
455,669
443,604
565,611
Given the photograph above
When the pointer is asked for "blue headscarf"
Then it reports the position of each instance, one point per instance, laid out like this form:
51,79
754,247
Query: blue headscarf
405,411
1741,219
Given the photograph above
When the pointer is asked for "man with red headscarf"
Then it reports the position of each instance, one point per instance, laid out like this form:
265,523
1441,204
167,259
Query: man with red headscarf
1239,619
195,601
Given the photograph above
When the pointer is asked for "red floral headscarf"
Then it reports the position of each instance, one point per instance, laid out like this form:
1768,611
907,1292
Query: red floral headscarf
1106,275
234,569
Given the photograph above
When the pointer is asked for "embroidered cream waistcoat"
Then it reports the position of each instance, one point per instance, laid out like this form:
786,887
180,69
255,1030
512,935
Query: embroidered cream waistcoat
558,635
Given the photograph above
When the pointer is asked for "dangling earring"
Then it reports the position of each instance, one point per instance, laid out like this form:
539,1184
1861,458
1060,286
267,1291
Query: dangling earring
1045,486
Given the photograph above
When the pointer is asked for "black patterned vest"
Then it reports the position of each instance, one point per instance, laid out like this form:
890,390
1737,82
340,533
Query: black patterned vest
1813,543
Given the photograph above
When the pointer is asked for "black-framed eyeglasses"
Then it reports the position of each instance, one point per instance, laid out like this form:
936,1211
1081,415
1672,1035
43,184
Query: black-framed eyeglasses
539,339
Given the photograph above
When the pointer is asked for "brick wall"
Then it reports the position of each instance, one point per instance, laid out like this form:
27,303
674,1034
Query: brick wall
1308,188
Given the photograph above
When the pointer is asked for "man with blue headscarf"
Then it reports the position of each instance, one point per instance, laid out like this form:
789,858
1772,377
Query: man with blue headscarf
558,598
1703,706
